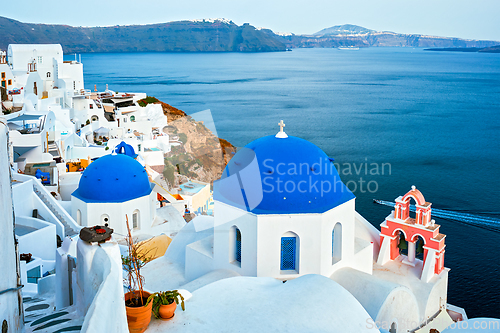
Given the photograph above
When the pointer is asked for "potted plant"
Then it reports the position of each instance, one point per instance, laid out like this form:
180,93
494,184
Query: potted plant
165,302
136,304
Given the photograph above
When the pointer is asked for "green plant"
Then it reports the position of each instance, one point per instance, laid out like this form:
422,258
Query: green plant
169,173
165,298
183,137
147,100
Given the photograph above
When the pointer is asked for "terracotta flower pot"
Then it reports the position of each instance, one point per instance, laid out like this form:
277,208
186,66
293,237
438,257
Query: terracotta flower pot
138,318
167,311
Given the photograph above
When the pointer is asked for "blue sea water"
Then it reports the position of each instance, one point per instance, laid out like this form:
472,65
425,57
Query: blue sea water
431,118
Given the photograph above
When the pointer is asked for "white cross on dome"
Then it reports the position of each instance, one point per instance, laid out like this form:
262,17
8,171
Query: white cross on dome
281,134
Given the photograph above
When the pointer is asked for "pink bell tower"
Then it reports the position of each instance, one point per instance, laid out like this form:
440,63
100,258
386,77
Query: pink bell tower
399,222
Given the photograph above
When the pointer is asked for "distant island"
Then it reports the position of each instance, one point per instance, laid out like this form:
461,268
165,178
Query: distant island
356,36
212,35
493,49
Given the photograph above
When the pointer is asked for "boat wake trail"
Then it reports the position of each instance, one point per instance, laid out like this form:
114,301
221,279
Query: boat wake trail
489,223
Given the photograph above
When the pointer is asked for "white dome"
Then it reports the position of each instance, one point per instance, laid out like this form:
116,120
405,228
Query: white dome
311,303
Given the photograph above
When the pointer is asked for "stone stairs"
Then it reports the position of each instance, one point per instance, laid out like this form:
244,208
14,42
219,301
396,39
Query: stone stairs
69,231
54,150
40,316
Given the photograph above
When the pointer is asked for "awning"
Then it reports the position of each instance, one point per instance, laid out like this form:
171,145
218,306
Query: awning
122,100
25,117
102,130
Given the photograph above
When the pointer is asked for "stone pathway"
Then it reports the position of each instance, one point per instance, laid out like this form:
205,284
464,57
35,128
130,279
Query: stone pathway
40,316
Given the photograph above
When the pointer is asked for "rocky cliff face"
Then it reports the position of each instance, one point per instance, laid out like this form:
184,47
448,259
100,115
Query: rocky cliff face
201,156
182,36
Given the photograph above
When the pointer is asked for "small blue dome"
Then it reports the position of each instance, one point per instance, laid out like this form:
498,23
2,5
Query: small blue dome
281,176
113,178
124,148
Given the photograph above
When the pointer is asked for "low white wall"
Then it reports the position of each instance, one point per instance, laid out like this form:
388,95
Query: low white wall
68,183
199,258
41,243
154,157
85,152
100,287
25,200
68,247
9,301
22,196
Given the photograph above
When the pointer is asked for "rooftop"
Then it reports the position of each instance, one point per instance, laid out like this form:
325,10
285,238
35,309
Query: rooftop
191,188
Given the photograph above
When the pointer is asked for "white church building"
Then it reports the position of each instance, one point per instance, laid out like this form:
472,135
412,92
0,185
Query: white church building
282,212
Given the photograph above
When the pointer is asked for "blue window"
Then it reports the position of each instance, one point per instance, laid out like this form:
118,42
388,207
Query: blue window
33,275
238,246
333,242
288,246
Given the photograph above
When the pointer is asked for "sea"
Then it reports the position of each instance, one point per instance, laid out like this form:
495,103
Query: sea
390,117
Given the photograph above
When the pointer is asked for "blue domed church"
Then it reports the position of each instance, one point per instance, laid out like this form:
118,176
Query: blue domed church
282,211
111,188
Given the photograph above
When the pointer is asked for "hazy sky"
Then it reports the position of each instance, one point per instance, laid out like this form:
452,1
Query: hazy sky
477,19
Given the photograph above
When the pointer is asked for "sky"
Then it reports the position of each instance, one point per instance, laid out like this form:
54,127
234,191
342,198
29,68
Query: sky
478,19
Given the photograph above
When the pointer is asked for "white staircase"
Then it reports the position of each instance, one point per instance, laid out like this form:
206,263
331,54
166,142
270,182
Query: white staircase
70,226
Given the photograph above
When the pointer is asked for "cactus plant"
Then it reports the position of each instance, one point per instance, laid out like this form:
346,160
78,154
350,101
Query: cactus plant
165,298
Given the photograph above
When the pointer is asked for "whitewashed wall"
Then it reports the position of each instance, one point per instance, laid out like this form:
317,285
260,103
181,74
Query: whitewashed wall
100,288
9,301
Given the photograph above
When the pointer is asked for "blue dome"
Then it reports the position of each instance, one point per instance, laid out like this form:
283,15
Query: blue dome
281,176
126,149
113,178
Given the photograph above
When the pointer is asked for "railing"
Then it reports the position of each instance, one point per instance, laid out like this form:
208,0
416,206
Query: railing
82,92
70,226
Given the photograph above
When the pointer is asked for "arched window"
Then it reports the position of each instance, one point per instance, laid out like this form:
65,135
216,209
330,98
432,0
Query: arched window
289,252
419,248
238,246
132,118
394,328
337,243
48,74
235,245
402,243
79,217
135,219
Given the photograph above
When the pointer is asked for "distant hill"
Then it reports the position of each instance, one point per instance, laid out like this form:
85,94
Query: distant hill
353,35
346,29
182,36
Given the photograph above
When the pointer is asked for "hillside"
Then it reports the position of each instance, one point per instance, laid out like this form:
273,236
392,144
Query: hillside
346,29
202,156
182,36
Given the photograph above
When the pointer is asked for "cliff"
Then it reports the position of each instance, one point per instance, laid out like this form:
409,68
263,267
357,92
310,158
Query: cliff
182,36
201,156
